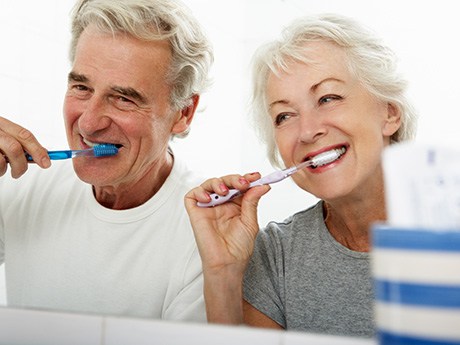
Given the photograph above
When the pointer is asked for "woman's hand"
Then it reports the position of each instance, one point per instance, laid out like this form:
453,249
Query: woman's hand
14,141
225,234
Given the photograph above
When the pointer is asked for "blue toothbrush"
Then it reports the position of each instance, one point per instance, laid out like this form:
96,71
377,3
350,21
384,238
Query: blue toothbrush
101,150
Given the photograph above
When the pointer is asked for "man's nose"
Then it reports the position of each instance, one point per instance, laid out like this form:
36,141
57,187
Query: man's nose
95,116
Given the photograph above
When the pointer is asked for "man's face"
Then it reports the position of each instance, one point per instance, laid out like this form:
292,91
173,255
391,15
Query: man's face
118,93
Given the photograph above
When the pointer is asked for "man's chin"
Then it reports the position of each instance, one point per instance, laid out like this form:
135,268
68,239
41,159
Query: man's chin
96,175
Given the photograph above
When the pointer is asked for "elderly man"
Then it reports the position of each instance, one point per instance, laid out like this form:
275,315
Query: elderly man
110,235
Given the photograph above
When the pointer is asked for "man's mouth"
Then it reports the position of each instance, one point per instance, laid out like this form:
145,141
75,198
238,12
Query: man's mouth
92,144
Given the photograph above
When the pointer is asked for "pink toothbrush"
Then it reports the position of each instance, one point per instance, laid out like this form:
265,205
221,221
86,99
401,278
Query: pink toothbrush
321,159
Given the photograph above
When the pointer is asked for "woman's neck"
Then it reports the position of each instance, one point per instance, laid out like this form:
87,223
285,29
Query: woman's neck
349,222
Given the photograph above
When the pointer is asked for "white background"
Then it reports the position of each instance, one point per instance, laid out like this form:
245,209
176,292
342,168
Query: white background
34,36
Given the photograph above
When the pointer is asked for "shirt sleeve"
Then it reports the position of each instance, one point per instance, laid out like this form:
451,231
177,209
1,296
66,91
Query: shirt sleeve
188,303
2,247
263,280
2,226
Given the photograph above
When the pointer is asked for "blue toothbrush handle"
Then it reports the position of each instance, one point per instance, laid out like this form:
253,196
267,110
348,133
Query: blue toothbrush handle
54,155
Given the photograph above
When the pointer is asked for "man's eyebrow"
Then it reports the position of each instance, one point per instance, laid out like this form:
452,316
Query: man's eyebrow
77,77
125,91
129,92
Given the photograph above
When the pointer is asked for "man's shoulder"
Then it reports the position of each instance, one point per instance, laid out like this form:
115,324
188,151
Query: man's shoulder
184,177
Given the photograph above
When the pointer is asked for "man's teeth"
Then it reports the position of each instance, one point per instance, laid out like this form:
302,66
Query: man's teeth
89,143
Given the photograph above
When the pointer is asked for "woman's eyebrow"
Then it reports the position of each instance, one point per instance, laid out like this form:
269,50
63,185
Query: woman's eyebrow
281,101
313,89
324,81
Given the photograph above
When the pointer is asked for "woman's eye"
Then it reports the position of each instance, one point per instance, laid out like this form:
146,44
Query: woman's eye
279,119
329,98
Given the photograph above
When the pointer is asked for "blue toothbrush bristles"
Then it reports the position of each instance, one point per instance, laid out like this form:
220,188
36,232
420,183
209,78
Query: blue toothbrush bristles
104,150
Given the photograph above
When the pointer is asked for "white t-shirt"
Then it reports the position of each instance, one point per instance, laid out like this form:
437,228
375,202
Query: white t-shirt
64,251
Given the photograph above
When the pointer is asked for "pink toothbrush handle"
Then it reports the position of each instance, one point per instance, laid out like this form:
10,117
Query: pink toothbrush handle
233,193
217,199
276,176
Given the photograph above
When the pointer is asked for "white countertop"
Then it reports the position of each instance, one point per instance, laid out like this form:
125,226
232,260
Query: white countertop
20,326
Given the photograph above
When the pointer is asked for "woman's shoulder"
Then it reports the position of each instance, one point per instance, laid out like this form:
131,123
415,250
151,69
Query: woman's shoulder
307,215
312,217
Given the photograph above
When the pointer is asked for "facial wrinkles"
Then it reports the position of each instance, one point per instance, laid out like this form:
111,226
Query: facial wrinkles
298,89
110,71
122,50
302,81
357,121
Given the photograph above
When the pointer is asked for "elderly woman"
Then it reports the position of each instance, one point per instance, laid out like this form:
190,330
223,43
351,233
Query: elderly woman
329,84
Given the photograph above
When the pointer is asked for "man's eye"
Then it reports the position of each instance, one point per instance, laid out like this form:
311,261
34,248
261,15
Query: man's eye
123,102
281,118
124,99
79,90
80,87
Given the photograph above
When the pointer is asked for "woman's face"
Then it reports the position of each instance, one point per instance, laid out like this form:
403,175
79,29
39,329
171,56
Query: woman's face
321,106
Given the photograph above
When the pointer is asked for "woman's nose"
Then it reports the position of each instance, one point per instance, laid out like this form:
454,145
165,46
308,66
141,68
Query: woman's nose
312,127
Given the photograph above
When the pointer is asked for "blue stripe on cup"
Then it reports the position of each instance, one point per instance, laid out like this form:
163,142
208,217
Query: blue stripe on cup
409,304
388,338
435,240
417,294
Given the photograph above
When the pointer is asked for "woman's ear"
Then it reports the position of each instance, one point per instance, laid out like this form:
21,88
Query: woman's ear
186,116
392,121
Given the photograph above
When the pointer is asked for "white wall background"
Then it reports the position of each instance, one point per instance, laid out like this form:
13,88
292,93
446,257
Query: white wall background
34,36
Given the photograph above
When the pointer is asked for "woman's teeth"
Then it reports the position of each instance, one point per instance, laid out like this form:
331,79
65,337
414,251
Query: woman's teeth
327,157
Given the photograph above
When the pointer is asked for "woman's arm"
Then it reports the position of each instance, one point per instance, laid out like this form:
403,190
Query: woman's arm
253,317
225,236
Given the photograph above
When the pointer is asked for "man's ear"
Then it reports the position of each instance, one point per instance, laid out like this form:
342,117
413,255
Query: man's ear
186,116
392,121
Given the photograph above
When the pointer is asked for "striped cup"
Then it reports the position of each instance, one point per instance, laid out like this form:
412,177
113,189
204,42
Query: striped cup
416,276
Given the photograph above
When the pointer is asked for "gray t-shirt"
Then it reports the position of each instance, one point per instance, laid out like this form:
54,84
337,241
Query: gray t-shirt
303,279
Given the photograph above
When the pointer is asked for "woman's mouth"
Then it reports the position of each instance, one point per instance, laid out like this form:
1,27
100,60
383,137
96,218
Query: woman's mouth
326,157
